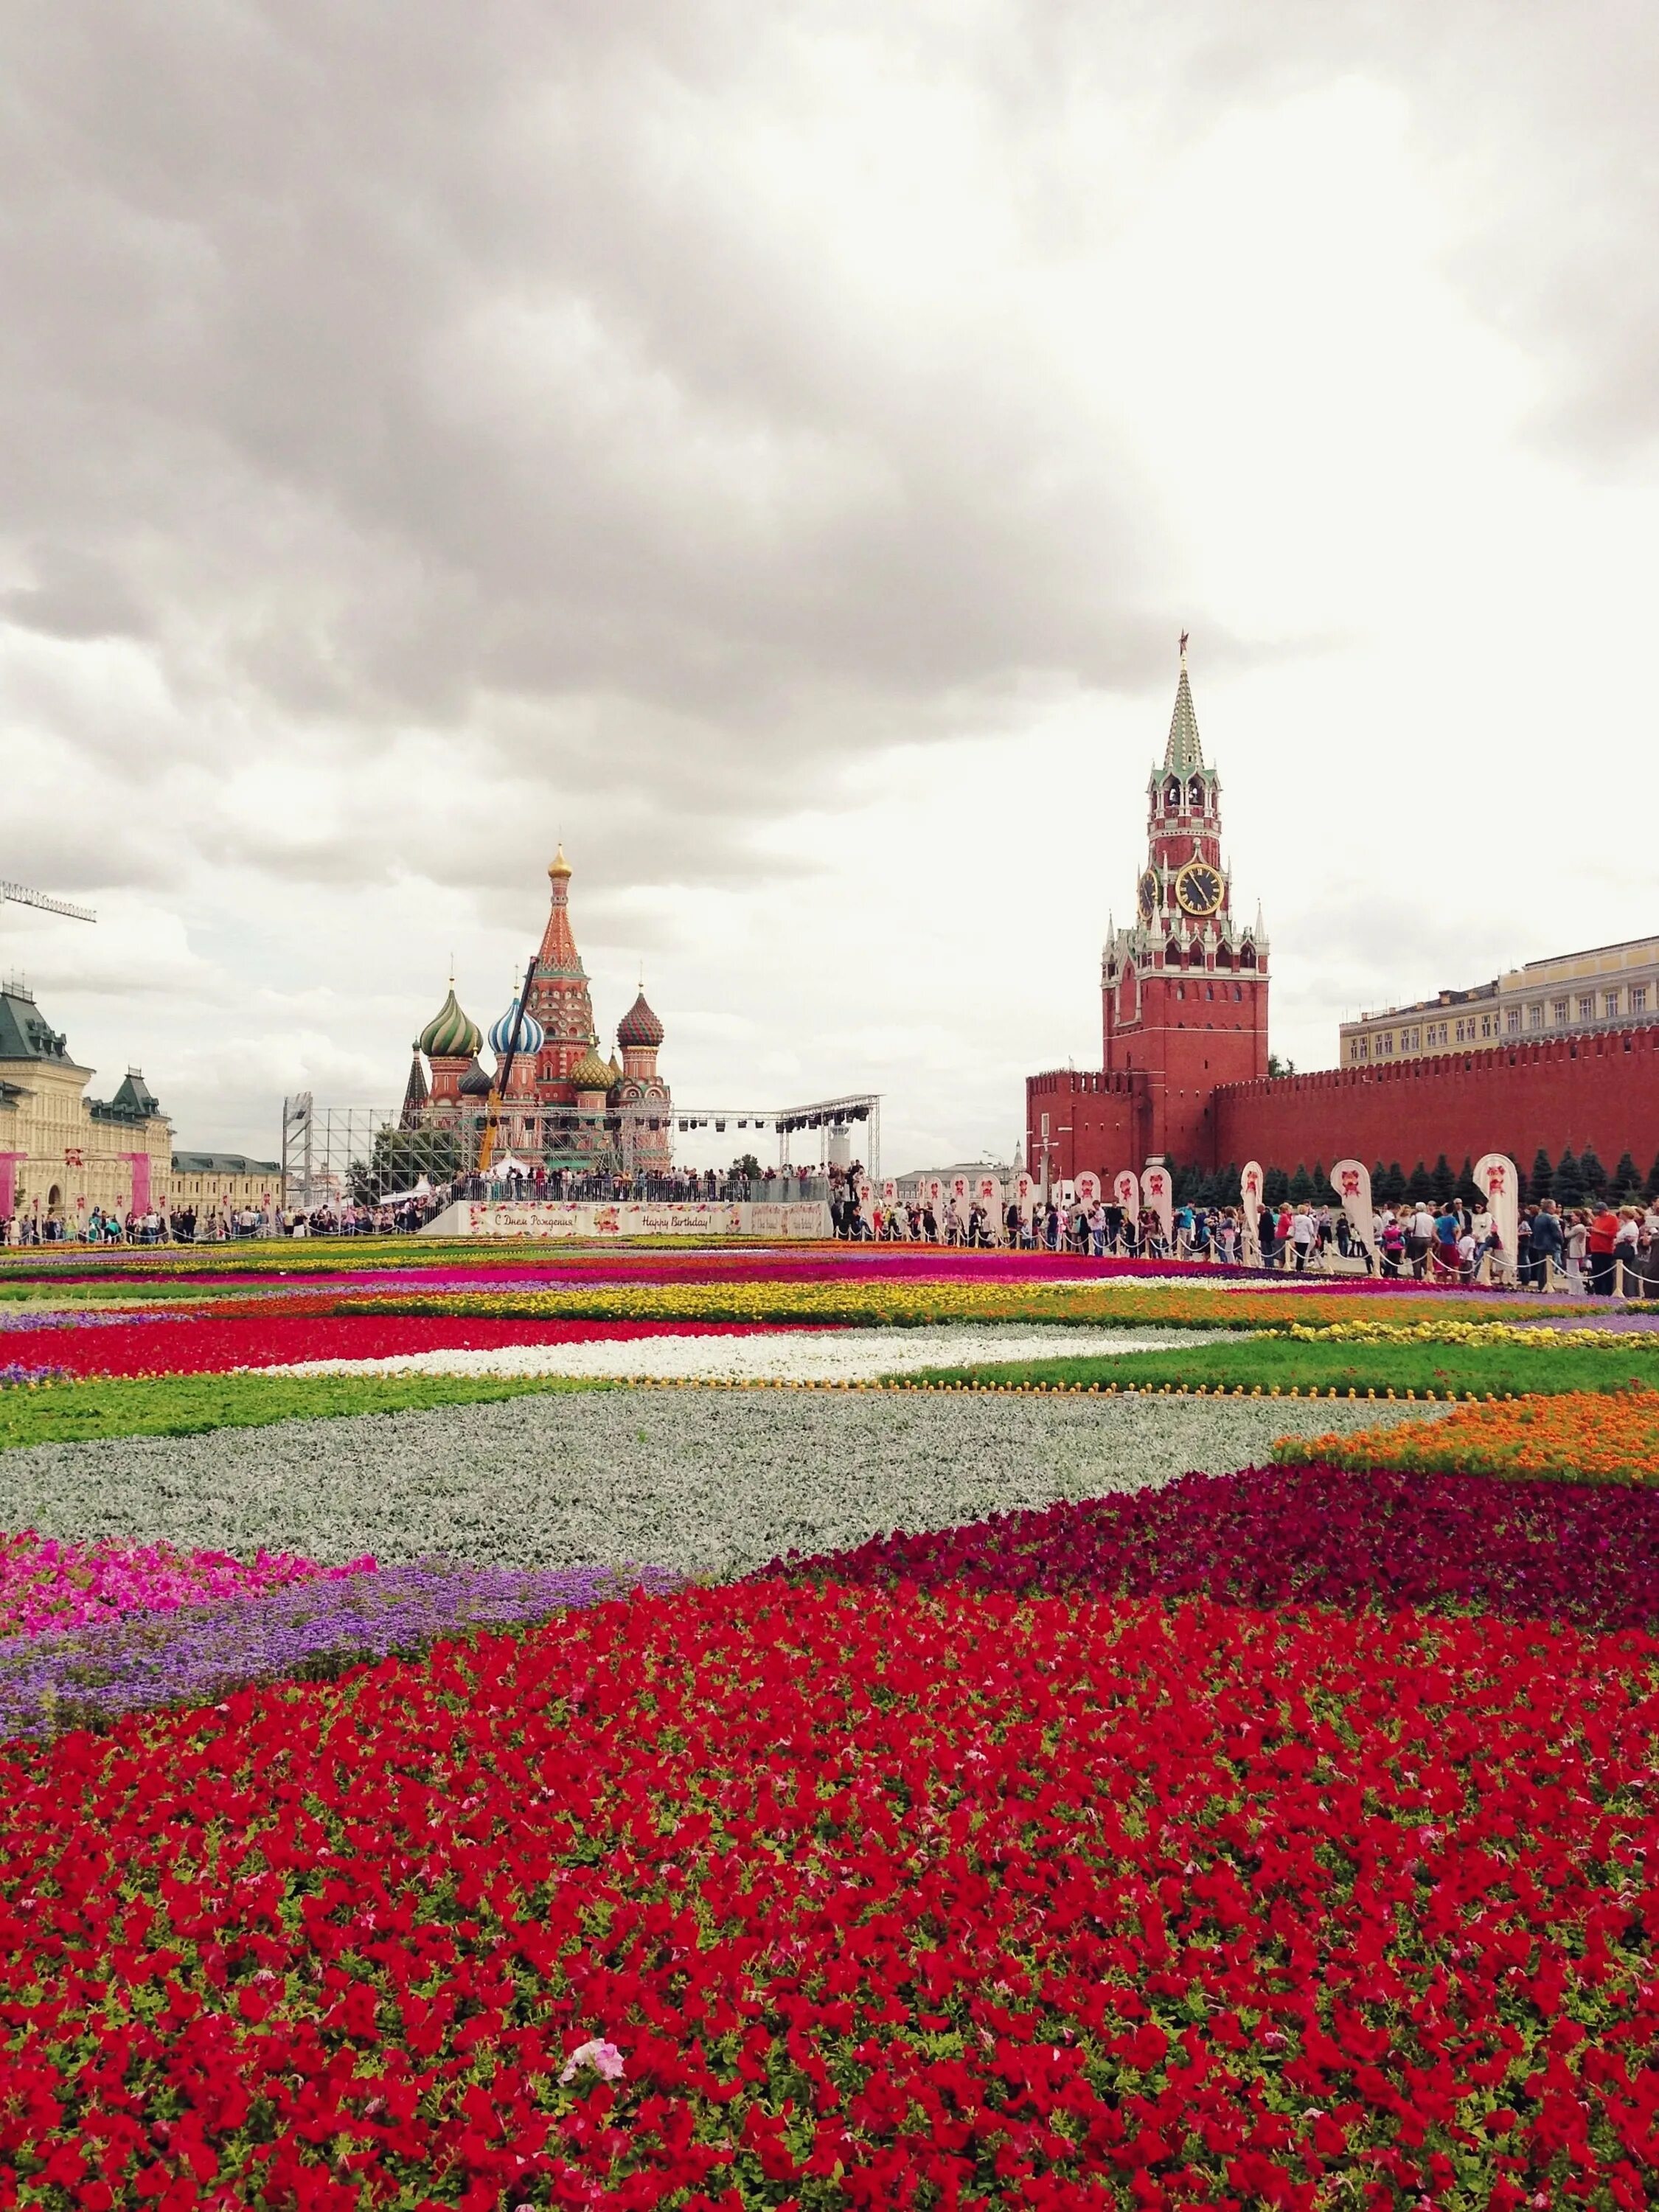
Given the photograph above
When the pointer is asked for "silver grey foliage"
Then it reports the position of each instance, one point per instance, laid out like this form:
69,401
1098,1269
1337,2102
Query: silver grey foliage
711,1481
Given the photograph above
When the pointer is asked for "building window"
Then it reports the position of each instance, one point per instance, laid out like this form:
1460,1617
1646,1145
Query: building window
1512,1021
1638,997
1612,1003
1560,1010
1535,1017
1587,1007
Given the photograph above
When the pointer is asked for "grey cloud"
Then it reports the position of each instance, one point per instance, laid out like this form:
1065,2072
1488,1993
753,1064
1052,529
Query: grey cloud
387,368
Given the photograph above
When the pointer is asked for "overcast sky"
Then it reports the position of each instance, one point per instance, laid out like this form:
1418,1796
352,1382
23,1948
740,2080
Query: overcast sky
775,449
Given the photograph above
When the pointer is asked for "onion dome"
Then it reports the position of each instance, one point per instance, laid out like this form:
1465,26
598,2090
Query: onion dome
639,1025
615,1069
530,1034
449,1035
474,1083
559,866
590,1073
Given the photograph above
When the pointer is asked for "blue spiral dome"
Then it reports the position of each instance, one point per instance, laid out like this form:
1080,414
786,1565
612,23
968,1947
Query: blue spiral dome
530,1034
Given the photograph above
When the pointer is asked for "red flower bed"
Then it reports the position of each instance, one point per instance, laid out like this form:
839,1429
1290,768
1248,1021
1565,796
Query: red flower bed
800,1898
211,1343
1312,1535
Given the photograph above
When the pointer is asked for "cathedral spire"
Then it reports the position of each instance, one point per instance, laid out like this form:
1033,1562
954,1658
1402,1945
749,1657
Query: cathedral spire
1184,753
558,955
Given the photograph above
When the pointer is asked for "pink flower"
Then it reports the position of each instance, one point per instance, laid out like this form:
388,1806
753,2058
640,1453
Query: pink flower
604,2057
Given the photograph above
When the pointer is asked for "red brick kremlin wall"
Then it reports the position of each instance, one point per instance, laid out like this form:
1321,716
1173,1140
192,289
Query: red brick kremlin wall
1601,1089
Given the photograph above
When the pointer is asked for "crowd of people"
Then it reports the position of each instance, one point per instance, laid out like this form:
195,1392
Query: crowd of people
1602,1250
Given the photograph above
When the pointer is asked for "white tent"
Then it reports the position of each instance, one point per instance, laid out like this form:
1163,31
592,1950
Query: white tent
500,1169
423,1189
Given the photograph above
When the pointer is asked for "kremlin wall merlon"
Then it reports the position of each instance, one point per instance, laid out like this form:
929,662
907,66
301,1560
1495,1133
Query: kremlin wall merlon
1184,1030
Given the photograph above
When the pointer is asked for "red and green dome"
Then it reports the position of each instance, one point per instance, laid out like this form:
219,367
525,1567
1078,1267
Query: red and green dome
639,1025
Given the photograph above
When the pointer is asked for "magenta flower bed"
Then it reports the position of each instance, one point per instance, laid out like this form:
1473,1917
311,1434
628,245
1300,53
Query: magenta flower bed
1315,1536
48,1584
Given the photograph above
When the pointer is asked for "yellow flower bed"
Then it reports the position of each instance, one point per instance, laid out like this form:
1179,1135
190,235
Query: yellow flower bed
902,1304
1580,1436
1452,1331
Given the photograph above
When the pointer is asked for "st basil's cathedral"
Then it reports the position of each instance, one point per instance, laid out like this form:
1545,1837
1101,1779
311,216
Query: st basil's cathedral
565,1105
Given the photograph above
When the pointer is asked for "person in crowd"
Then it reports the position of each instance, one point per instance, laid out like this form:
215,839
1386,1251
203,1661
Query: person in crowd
1391,1244
1545,1242
1603,1237
1420,1239
1626,1253
1447,1230
1304,1232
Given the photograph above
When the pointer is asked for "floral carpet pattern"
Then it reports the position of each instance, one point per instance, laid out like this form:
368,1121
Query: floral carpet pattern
642,1788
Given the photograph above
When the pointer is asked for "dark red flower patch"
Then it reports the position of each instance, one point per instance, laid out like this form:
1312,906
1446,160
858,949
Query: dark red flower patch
213,1343
1312,1535
796,1897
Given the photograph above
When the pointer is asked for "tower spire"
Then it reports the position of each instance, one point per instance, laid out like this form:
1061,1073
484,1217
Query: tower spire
1185,751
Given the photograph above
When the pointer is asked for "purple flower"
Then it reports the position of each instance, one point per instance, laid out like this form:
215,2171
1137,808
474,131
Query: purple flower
309,1630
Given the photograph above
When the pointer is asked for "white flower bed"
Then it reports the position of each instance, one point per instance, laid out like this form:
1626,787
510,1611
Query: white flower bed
712,1482
837,1355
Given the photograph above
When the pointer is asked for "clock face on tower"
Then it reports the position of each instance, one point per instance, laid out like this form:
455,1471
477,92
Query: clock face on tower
1147,895
1199,889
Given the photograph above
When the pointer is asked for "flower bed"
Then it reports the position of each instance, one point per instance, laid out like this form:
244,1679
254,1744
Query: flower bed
711,1480
219,1343
47,1583
777,1353
757,1897
91,1675
1582,1437
1314,1535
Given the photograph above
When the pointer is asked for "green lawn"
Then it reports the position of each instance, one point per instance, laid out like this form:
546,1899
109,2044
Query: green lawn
188,1405
1269,1362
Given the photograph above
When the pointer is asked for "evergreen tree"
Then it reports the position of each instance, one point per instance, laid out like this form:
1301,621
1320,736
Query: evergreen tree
1567,1184
1322,1183
1227,1191
1591,1173
1301,1190
1650,1187
1540,1183
1421,1188
1626,1180
1275,1187
1396,1181
1469,1191
1379,1184
1444,1181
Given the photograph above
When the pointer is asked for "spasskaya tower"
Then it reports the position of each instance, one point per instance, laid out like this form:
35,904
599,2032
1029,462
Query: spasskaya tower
1184,987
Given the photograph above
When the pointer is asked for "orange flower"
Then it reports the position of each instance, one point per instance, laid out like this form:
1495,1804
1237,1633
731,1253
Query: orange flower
1581,1437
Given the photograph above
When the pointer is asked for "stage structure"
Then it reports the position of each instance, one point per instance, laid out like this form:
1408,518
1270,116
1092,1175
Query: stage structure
338,1156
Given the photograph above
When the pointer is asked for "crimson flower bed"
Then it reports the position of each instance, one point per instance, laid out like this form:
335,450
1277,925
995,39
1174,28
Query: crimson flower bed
1306,1535
212,1344
802,1897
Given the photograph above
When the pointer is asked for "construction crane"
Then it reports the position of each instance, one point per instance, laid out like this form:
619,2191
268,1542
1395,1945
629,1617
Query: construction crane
20,895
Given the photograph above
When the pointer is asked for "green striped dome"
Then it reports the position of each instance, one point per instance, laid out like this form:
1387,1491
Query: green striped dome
449,1035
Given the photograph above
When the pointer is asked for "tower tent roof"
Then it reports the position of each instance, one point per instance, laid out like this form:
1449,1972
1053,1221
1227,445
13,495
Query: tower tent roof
1185,751
558,955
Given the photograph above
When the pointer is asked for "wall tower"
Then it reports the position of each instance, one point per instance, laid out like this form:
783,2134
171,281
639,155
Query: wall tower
1184,987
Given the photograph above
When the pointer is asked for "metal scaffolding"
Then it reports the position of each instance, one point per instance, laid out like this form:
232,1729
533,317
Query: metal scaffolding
363,1155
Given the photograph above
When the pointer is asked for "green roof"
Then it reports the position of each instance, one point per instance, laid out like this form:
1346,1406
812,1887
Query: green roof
1184,752
23,1034
222,1164
136,1094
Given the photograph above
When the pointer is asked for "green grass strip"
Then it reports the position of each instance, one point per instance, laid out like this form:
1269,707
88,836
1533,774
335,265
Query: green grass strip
190,1405
1269,1362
